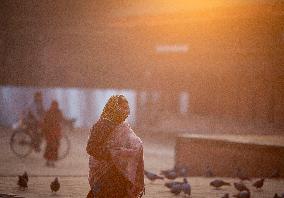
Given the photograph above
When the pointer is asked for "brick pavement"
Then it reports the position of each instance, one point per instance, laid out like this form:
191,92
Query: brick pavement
72,172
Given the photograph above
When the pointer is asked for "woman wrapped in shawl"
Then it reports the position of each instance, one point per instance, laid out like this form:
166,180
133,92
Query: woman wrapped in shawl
52,131
116,154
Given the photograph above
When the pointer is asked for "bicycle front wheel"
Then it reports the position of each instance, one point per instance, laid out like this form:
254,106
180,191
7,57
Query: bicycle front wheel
21,143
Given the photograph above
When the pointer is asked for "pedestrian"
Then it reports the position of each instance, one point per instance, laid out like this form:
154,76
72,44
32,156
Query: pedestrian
52,133
116,154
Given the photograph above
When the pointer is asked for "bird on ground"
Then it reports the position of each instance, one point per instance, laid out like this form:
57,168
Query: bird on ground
165,172
277,196
243,194
242,176
225,195
259,183
170,184
55,185
176,189
25,175
152,176
240,186
170,175
208,172
186,188
22,182
217,183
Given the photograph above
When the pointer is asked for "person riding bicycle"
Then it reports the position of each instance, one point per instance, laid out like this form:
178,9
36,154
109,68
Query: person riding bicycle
36,107
33,117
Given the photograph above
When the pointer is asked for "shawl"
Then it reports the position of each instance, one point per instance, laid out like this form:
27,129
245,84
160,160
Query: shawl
126,154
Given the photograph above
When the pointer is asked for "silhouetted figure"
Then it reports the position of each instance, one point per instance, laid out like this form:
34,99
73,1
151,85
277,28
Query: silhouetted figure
152,176
55,185
52,133
116,154
240,186
217,183
259,183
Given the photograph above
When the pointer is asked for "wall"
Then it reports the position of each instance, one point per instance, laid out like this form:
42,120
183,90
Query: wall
223,157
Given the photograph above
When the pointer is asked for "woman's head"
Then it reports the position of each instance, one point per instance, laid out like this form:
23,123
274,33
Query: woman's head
54,105
116,109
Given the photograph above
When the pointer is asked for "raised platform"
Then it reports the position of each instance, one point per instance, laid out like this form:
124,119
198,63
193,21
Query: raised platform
256,156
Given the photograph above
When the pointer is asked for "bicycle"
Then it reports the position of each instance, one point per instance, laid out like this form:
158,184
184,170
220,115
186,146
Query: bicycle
23,141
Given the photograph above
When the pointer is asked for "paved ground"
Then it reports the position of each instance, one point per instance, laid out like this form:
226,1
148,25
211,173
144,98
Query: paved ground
72,171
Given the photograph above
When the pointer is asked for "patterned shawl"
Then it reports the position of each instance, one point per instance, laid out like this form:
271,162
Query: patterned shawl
126,151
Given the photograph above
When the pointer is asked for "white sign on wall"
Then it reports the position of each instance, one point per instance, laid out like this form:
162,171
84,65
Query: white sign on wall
177,48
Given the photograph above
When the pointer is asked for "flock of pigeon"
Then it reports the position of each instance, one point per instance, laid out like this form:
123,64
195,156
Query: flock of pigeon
24,179
178,187
175,187
23,185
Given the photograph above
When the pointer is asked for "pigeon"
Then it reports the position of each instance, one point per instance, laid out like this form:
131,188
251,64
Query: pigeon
259,183
277,196
240,186
186,188
176,189
208,172
55,185
152,176
22,182
217,183
170,184
170,174
242,176
165,172
225,195
243,194
25,175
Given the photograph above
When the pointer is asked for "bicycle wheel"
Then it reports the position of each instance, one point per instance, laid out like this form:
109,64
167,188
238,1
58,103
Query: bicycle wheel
64,147
21,143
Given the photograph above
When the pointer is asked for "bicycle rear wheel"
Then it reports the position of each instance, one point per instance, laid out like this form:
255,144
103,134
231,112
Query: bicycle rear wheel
21,143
